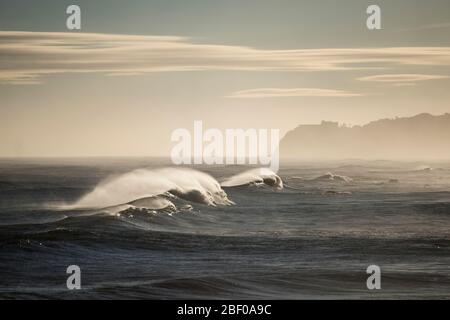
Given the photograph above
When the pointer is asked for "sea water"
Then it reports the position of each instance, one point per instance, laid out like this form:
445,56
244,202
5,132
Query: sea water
311,235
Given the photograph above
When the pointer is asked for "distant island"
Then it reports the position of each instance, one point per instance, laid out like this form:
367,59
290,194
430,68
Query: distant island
423,136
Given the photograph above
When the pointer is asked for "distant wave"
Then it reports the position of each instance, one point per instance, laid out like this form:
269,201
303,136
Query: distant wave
328,177
333,177
423,168
254,176
154,189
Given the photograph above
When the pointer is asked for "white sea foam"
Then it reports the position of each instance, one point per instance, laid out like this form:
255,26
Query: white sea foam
333,177
183,183
254,176
154,203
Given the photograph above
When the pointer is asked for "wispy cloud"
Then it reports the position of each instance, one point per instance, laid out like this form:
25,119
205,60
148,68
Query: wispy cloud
27,56
292,92
434,26
403,79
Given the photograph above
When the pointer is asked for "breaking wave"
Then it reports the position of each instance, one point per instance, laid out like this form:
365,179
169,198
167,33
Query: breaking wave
155,189
254,177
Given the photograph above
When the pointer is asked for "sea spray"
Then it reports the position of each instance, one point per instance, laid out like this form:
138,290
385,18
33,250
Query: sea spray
184,183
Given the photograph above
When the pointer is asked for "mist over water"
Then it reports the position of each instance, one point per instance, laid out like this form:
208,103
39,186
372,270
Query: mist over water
140,230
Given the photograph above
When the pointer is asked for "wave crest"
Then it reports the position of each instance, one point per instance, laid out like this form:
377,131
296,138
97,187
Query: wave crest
254,176
187,184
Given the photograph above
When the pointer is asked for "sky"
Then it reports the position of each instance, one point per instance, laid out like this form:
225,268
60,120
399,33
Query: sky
138,70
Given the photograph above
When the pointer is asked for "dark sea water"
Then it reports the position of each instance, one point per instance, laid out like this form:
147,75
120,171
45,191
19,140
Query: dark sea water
313,239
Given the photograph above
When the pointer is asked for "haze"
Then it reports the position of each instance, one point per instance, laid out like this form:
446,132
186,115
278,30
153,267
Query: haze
136,72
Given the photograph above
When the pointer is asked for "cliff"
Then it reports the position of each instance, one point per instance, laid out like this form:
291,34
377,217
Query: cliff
421,136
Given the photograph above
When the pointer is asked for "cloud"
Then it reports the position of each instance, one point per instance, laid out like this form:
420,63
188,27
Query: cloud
434,26
402,79
292,92
27,56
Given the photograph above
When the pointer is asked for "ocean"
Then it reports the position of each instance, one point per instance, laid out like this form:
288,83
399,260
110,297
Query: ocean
310,235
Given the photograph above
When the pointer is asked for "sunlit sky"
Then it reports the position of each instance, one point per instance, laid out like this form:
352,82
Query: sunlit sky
137,70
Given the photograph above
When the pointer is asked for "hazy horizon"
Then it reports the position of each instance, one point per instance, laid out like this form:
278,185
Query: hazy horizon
324,156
